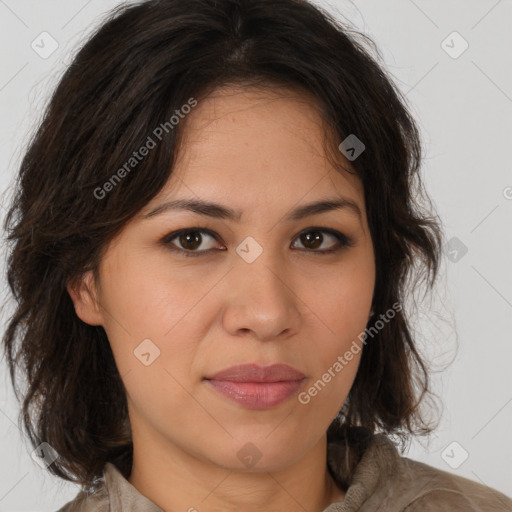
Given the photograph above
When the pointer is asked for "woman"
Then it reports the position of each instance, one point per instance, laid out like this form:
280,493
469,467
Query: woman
211,242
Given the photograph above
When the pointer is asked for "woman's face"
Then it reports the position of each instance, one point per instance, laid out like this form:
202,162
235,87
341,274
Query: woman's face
247,289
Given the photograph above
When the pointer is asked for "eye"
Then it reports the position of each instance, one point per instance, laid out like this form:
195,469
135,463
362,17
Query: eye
312,238
188,240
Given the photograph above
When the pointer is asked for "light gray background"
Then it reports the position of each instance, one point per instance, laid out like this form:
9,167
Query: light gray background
464,108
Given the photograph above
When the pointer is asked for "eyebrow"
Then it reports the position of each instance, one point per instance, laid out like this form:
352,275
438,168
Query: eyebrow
219,211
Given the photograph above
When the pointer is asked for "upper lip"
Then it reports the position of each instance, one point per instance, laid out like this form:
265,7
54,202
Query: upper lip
258,373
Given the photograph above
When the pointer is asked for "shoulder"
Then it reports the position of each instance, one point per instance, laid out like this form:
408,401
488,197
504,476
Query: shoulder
112,492
439,491
378,478
84,502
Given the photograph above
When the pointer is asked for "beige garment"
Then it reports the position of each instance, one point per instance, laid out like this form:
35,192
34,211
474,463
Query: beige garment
382,481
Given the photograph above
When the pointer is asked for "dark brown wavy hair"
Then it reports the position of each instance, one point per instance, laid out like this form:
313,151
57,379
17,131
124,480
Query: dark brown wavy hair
143,63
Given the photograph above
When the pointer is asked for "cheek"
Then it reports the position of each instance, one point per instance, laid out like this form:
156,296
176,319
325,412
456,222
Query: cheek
342,300
147,310
341,306
337,350
149,328
146,295
335,360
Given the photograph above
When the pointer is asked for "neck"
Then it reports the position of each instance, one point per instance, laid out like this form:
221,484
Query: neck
174,479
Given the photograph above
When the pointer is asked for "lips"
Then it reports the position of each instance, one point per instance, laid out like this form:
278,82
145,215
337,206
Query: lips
257,373
257,387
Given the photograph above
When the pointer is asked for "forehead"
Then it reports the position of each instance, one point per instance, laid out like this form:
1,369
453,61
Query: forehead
254,116
243,142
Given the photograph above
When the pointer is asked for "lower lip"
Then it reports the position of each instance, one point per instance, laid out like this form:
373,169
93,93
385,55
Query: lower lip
257,395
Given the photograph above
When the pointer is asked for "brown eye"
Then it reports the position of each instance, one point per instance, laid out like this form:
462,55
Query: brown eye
191,242
312,239
315,238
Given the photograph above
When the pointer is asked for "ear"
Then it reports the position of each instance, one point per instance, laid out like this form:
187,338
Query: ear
85,299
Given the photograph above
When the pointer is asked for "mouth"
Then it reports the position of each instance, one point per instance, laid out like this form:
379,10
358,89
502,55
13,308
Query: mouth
255,386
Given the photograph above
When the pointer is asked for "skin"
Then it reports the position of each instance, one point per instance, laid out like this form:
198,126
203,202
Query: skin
262,153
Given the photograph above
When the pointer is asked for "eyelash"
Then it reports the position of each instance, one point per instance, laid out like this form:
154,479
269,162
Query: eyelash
343,240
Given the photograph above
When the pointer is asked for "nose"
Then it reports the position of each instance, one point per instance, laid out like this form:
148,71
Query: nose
260,300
